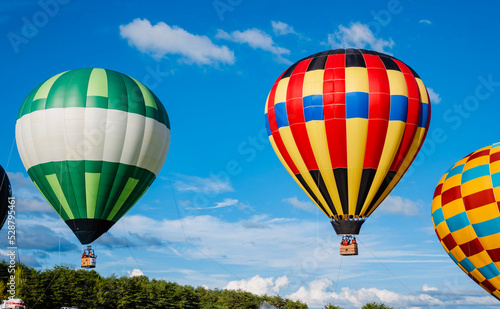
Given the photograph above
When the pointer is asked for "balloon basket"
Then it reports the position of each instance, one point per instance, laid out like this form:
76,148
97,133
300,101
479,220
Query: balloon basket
351,249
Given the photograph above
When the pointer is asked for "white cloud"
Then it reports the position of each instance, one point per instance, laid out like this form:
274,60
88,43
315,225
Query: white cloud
358,35
433,96
210,185
257,39
162,39
27,197
318,292
396,205
258,285
307,205
135,273
225,203
280,28
427,287
425,21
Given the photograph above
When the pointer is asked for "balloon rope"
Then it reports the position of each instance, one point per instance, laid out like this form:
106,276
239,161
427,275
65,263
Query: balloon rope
355,281
338,276
181,220
421,301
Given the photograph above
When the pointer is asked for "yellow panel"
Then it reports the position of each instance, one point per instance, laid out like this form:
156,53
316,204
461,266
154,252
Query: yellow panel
44,89
313,83
436,203
497,193
476,185
424,98
397,83
483,213
464,235
417,140
356,80
281,90
453,181
317,136
392,142
490,242
476,274
458,254
496,293
481,259
293,151
98,83
495,167
453,208
483,160
495,281
356,132
442,230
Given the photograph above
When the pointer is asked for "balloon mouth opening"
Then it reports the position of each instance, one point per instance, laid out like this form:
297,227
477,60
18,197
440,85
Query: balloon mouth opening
347,225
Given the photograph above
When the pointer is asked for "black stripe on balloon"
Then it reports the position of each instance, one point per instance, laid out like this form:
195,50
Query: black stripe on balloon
339,51
368,52
354,58
317,63
340,175
304,184
289,71
389,63
364,187
412,71
320,183
387,180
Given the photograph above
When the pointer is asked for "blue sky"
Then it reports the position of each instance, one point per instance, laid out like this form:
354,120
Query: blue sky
223,212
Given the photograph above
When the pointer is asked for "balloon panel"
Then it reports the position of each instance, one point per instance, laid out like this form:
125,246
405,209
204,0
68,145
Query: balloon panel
466,216
347,124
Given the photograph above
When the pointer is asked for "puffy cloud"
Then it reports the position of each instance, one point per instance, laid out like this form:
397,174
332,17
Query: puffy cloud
304,205
433,96
257,39
318,292
258,285
280,28
162,39
396,205
135,273
358,35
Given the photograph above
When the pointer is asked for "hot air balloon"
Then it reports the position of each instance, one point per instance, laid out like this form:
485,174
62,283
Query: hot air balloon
92,141
5,194
346,124
466,216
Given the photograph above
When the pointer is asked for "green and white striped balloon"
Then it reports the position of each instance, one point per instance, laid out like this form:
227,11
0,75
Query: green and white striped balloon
92,141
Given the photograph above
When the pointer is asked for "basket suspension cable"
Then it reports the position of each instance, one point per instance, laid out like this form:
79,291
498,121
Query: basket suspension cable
395,277
355,281
338,276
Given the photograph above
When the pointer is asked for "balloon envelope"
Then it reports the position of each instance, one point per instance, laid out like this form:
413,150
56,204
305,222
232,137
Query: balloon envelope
347,124
466,216
5,193
92,141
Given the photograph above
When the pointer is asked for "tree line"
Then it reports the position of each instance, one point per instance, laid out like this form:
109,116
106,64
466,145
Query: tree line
65,286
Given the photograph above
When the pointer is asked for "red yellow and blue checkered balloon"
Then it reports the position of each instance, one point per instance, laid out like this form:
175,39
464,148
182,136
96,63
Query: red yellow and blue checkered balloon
346,124
466,216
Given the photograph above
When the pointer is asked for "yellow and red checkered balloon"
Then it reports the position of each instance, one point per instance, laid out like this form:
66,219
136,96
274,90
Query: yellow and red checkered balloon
466,216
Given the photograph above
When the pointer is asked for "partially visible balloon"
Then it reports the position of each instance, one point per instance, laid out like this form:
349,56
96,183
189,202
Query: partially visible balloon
346,124
466,216
5,193
92,141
